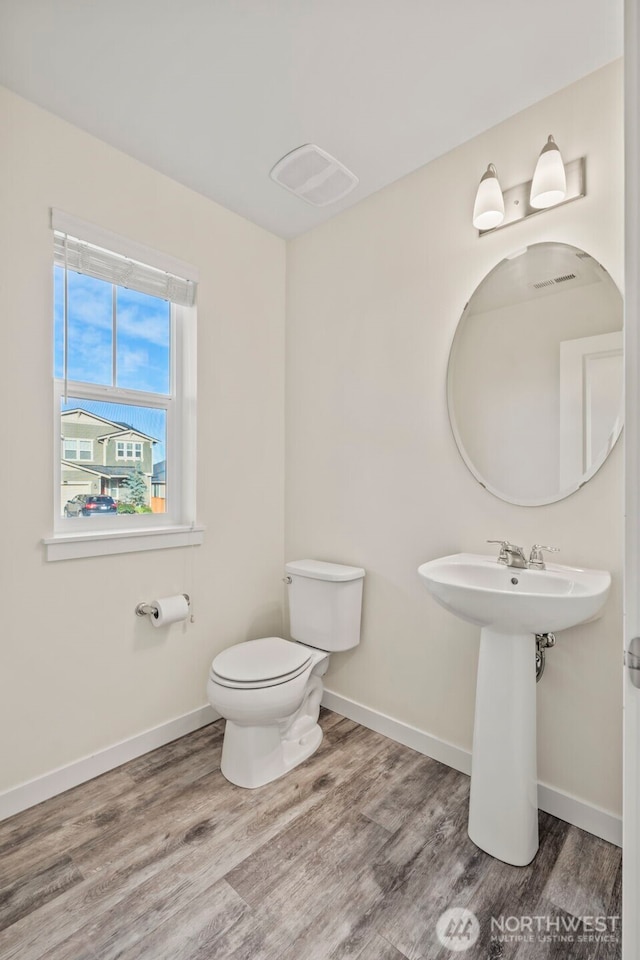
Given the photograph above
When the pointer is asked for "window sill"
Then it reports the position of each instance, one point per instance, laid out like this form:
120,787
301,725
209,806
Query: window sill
71,547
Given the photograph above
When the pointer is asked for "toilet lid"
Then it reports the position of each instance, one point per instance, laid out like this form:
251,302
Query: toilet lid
270,658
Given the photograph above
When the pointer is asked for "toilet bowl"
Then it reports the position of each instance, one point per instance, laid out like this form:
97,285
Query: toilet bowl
269,690
272,721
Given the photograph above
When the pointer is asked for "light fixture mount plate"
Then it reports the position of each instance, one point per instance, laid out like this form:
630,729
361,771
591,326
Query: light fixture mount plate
516,199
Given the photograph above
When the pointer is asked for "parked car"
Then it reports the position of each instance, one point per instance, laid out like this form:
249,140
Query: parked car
84,505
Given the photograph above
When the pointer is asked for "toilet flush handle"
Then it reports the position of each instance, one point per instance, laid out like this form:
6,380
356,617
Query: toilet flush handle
287,580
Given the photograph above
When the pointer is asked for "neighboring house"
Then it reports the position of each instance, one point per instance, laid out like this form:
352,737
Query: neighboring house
99,455
159,486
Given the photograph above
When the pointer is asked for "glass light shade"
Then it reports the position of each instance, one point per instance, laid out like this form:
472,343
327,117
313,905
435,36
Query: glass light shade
488,210
549,184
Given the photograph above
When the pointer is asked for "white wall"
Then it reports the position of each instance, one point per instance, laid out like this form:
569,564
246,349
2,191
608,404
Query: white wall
373,474
79,672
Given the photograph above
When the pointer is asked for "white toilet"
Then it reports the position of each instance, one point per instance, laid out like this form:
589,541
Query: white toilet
269,690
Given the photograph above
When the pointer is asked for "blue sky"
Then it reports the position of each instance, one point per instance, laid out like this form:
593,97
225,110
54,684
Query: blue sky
143,337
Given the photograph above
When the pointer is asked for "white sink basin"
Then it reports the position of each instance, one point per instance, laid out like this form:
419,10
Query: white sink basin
510,605
479,589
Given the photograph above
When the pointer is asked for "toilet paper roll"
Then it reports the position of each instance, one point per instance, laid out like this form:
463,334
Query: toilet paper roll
169,610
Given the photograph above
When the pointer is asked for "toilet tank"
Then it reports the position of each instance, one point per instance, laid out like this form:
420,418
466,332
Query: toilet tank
325,604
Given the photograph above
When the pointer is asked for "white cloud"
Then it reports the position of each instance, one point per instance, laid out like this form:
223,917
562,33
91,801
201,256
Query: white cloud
130,360
138,324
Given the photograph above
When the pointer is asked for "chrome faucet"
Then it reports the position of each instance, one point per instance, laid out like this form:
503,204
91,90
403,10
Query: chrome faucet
513,556
510,554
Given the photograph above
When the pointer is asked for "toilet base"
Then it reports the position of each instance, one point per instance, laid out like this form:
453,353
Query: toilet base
254,756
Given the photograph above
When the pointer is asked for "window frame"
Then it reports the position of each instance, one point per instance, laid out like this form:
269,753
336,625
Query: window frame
127,533
67,441
124,443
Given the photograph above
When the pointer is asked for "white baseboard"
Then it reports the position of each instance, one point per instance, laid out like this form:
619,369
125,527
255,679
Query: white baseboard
594,820
401,732
57,781
587,817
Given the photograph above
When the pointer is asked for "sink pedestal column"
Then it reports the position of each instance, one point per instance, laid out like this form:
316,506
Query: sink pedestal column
503,807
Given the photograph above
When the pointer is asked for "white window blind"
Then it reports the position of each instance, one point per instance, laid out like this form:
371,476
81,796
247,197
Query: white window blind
103,264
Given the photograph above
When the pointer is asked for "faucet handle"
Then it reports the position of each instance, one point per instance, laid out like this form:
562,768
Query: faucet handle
504,544
536,559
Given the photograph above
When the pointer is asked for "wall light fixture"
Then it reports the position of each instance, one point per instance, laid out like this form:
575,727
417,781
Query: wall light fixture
553,184
549,184
488,210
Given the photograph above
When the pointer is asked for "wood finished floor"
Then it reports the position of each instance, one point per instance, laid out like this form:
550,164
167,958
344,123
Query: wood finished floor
353,855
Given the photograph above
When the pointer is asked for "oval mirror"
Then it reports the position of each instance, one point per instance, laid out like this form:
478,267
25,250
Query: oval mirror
534,382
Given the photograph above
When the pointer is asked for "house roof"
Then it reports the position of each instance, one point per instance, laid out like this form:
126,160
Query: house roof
94,416
120,427
83,468
127,429
129,426
115,473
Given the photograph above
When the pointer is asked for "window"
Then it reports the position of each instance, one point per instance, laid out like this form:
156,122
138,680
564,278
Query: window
128,450
75,449
124,378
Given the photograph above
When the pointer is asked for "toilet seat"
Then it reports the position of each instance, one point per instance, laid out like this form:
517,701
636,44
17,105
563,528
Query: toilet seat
267,662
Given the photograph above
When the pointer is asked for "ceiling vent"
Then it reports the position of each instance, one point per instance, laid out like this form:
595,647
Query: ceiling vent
313,175
550,283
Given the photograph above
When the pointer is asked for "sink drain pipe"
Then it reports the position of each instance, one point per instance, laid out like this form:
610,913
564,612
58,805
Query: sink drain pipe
543,642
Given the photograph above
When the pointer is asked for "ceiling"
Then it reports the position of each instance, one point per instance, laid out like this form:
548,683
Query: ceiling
213,92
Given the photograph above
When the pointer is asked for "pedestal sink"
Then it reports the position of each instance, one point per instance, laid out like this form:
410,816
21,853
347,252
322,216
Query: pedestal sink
511,606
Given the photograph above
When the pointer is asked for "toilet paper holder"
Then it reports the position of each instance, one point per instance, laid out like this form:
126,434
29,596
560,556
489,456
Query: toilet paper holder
150,610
